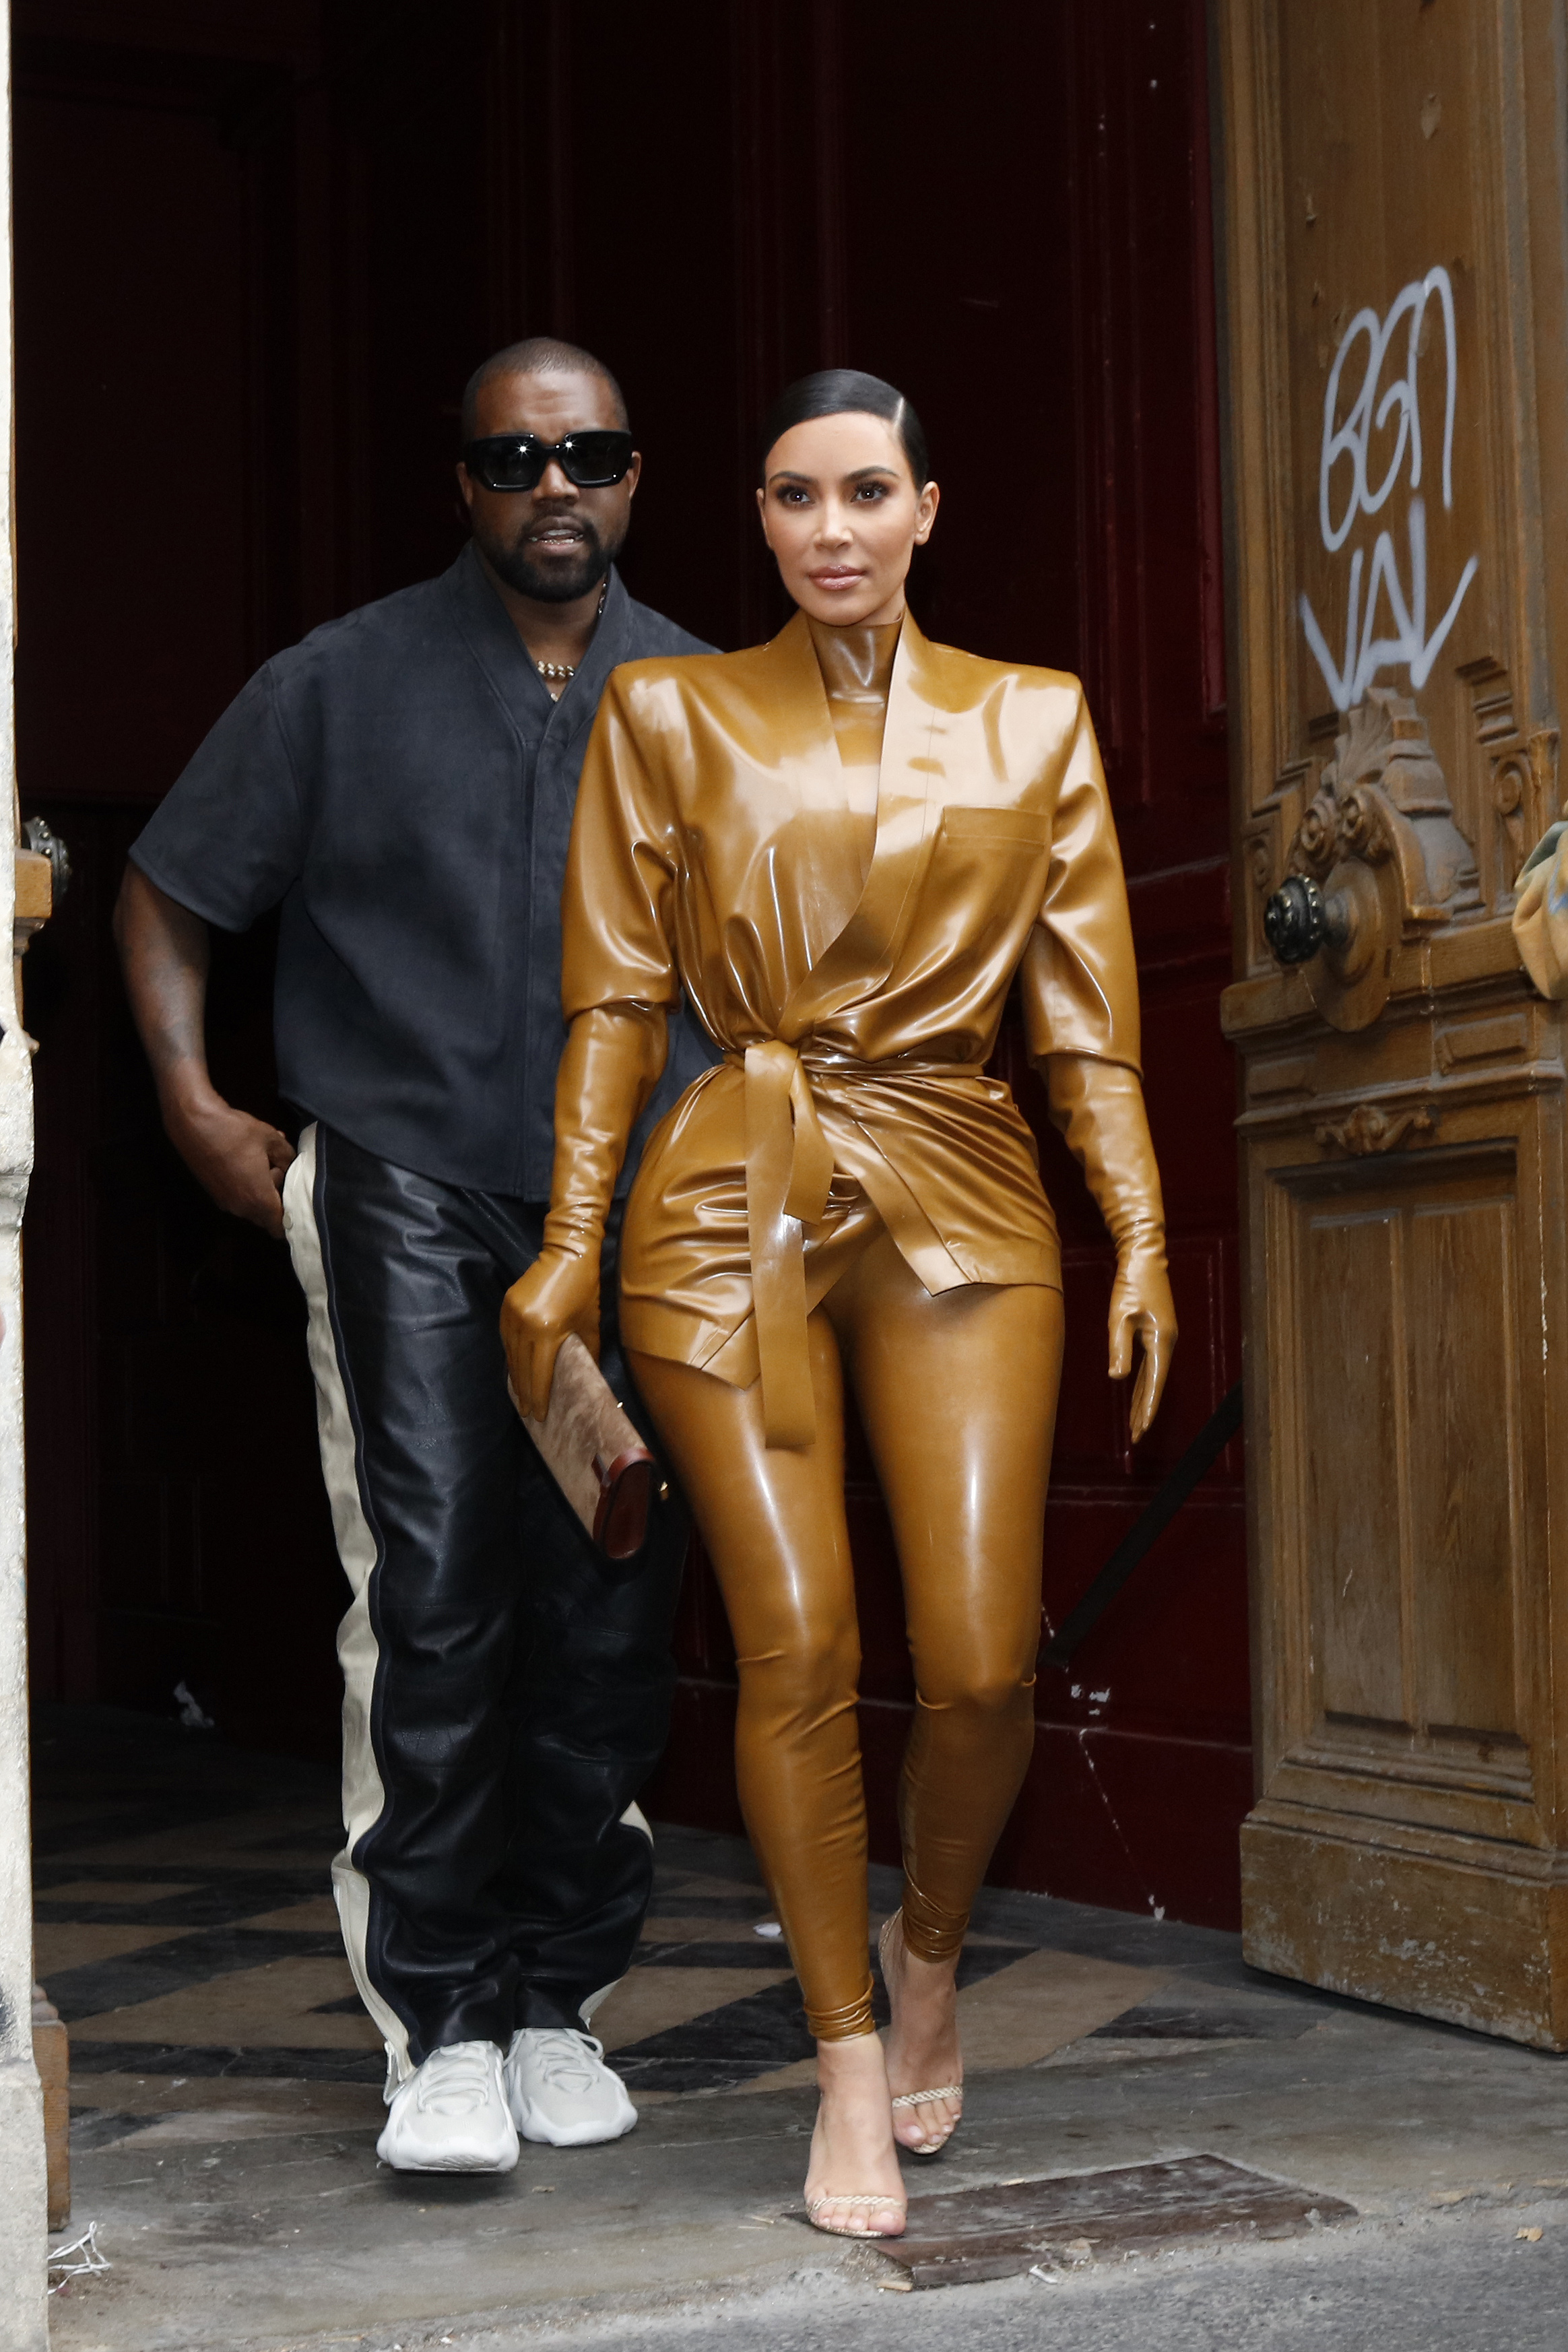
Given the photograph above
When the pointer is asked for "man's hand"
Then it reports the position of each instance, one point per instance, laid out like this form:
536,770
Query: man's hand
1141,1302
241,1160
558,1295
164,951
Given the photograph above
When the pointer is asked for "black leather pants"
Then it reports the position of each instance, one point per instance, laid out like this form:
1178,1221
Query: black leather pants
507,1690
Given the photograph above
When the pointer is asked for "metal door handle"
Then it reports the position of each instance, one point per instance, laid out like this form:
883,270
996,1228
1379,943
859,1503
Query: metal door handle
1300,918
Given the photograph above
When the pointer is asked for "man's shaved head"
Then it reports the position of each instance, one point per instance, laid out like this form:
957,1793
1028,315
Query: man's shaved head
538,355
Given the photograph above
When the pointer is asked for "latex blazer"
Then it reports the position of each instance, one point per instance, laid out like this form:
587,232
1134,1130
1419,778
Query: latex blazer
857,1003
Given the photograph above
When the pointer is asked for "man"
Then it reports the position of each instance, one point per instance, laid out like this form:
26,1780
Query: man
403,783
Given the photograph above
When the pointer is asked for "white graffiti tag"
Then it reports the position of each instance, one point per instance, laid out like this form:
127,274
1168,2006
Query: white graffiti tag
1348,443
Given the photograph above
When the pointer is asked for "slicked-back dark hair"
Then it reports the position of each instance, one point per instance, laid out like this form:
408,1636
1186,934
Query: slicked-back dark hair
838,392
538,355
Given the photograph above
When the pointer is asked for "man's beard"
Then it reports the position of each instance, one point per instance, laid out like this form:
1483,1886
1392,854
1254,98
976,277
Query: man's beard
553,581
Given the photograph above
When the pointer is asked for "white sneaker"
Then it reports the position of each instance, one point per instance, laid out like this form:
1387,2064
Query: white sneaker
561,2091
452,2116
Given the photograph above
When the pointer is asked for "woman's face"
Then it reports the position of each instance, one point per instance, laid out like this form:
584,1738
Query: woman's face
843,515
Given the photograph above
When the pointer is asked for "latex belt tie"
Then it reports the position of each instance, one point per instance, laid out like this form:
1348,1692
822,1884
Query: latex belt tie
789,1170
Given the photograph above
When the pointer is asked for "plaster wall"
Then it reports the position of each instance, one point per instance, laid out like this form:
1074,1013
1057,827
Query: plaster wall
24,2325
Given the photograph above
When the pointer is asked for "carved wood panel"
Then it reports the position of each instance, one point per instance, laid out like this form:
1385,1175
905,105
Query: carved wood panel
1350,1499
1406,1384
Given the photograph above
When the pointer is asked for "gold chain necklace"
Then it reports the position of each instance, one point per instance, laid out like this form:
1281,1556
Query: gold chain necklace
565,670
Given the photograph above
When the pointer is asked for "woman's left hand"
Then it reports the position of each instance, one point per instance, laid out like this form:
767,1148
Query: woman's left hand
1142,1304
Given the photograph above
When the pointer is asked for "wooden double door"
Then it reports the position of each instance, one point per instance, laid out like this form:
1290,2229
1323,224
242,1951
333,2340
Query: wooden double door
1395,217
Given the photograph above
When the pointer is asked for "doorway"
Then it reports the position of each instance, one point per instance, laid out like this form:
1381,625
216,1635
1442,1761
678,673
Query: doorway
259,262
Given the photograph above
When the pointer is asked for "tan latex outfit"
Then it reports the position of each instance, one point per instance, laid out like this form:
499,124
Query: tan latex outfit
847,882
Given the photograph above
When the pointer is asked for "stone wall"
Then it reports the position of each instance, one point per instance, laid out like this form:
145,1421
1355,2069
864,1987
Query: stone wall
24,2325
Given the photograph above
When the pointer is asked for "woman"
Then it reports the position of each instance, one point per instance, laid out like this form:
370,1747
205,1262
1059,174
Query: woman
845,845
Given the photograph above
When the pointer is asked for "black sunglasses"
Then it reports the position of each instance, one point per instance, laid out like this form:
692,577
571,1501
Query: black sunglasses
516,461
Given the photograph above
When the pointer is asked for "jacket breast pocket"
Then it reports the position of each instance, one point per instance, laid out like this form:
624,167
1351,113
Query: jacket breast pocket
1000,828
987,873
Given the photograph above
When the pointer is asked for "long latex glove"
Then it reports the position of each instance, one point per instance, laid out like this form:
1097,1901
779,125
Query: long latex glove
613,1057
1099,1107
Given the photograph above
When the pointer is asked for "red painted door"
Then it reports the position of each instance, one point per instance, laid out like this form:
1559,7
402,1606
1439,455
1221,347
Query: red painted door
1022,243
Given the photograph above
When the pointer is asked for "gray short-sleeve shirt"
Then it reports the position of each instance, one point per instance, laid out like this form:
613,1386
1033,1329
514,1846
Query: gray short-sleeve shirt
402,784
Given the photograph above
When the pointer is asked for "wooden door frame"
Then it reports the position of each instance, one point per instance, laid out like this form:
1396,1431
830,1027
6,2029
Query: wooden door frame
1463,1053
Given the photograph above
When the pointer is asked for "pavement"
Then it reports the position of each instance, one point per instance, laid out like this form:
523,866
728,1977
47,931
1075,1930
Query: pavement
225,2099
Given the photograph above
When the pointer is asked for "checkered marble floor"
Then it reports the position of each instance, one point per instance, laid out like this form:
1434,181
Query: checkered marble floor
226,2085
186,1935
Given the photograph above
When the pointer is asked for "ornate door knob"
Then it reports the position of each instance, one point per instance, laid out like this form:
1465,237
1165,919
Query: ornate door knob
44,842
1299,918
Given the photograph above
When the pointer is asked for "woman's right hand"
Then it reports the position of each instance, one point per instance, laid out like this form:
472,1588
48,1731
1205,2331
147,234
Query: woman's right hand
557,1296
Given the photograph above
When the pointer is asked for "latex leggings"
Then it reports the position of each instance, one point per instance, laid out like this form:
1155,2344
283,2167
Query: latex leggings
957,1394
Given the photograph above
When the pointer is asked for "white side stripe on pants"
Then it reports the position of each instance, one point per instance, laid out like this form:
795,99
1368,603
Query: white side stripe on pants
364,1796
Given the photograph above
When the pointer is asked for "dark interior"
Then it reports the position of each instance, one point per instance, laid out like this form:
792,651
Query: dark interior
258,251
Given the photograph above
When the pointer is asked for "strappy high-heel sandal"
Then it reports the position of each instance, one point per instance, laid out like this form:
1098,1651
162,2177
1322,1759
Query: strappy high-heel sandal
917,2098
818,2205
